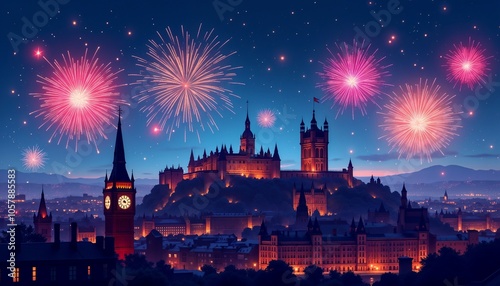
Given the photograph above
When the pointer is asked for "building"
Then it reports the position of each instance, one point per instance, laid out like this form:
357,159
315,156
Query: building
243,162
410,218
314,156
171,177
380,215
43,220
60,263
247,162
119,200
358,250
209,223
316,199
192,252
461,221
314,146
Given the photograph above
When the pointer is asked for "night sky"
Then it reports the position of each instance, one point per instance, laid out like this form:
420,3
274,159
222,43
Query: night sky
280,47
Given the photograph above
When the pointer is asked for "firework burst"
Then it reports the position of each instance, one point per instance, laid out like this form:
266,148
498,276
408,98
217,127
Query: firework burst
266,118
185,79
33,158
352,77
78,98
466,65
420,121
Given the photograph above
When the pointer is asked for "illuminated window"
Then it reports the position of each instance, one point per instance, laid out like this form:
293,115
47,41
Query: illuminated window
72,273
33,273
16,275
88,272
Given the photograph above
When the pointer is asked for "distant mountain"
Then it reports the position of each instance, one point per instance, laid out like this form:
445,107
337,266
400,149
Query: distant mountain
30,184
434,180
440,173
43,178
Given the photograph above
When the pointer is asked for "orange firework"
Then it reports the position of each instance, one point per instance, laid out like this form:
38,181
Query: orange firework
420,121
185,81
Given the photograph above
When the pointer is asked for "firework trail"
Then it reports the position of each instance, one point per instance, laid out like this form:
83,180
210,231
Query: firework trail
185,79
352,77
78,98
419,120
466,65
33,158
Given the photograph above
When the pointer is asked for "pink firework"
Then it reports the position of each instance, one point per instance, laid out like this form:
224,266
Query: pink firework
420,121
78,98
266,118
33,158
352,77
186,79
467,65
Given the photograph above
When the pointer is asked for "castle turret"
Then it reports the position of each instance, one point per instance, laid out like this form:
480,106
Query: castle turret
404,198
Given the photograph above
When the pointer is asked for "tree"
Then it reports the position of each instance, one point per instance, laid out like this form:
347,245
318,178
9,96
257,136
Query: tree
388,279
26,234
351,279
314,274
438,268
208,269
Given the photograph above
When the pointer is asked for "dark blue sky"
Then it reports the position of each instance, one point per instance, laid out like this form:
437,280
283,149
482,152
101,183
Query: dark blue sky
261,32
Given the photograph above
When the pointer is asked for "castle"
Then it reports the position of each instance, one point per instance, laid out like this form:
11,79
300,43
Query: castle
247,162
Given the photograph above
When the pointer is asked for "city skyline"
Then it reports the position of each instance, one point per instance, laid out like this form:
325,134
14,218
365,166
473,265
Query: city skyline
277,59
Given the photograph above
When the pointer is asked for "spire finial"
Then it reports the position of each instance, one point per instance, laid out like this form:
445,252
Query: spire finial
119,114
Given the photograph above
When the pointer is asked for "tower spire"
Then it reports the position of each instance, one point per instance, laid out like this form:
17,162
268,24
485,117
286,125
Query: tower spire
42,209
119,172
247,121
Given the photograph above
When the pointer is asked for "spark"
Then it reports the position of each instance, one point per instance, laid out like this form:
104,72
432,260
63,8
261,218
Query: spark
266,118
466,64
78,98
38,53
419,121
33,158
186,81
352,77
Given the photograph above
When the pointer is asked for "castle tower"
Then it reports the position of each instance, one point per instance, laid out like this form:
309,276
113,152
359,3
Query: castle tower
43,221
247,139
314,146
119,200
361,246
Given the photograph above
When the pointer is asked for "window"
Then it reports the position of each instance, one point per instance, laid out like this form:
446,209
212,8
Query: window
72,273
52,274
88,272
33,273
16,275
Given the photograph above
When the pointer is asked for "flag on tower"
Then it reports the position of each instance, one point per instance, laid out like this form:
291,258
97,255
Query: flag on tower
316,99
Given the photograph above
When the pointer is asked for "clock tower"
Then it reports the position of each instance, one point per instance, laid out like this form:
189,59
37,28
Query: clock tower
119,200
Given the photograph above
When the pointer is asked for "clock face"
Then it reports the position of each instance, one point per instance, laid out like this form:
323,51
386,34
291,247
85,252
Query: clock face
124,202
107,202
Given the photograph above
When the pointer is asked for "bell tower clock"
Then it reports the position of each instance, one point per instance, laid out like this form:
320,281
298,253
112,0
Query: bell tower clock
119,200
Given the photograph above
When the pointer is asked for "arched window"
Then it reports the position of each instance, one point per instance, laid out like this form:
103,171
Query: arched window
321,152
317,152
